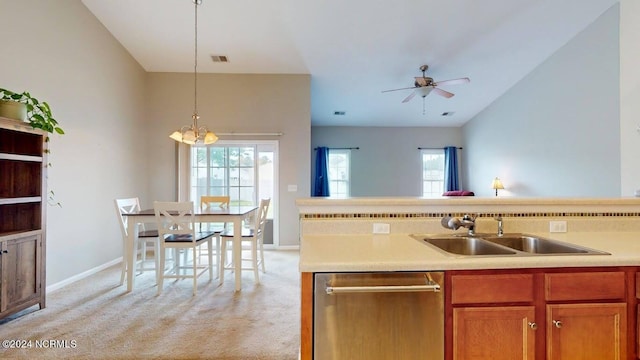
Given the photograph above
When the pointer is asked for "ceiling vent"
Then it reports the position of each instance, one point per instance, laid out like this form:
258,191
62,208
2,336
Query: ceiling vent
219,58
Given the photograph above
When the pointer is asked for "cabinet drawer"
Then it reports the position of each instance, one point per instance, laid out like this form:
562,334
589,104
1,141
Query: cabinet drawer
584,286
503,288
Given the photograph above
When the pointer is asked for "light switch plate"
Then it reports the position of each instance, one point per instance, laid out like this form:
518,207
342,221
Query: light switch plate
557,226
381,228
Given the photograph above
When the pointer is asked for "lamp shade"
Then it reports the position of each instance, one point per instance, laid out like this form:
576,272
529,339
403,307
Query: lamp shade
210,138
497,184
177,136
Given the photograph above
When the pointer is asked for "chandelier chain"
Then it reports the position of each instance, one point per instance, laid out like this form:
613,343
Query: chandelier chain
195,62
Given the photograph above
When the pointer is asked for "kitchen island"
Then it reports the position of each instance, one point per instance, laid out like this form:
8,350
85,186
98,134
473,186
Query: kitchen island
337,236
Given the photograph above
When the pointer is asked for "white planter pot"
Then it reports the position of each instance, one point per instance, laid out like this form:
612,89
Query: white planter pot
13,110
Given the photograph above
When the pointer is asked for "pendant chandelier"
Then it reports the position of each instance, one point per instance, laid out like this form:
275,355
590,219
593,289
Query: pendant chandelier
191,134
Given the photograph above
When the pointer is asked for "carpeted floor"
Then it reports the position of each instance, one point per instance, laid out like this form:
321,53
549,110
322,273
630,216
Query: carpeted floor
95,318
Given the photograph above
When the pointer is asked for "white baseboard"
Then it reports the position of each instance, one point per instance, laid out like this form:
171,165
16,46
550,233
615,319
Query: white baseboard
59,285
283,247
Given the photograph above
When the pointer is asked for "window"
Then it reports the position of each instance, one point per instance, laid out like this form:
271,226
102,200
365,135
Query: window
432,172
243,171
339,164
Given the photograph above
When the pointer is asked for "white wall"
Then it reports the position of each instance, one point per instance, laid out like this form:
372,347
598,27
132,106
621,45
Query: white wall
388,162
629,95
59,52
240,103
556,132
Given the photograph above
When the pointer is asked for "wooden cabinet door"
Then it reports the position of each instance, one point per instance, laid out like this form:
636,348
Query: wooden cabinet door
587,331
506,332
20,271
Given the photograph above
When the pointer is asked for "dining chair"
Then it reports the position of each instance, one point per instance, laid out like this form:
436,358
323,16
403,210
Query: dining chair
215,202
145,237
177,230
254,237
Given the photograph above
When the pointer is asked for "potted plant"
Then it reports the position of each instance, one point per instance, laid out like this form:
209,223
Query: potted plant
38,112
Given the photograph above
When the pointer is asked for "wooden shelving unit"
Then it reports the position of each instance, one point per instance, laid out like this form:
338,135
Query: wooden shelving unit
22,216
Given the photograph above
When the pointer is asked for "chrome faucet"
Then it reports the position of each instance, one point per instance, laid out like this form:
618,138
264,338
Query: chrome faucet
500,228
467,221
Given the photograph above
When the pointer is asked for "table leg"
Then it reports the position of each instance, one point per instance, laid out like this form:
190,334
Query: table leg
130,252
237,251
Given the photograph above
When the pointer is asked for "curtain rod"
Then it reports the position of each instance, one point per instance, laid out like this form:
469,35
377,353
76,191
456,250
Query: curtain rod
427,148
342,148
251,134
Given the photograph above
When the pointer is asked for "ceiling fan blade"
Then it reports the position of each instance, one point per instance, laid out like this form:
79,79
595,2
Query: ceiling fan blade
453,82
407,88
409,97
442,92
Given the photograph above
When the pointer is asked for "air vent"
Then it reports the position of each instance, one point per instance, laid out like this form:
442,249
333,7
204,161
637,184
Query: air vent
219,58
339,113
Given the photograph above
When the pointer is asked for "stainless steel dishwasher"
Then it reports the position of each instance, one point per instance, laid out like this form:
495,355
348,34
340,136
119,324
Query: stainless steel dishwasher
391,315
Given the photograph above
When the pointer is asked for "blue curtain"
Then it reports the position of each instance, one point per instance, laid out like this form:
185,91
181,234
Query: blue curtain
321,187
451,169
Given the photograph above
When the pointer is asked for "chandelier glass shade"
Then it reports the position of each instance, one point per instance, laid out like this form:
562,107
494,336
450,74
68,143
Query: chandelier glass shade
192,134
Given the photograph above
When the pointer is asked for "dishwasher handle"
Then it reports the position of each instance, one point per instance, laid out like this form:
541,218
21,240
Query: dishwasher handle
430,285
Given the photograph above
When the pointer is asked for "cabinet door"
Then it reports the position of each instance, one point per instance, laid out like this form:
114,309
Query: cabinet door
506,332
20,271
587,331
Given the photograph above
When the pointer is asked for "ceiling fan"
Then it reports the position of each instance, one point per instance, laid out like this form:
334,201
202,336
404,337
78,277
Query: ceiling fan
424,85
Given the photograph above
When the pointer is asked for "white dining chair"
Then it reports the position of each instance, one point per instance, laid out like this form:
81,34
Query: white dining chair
177,230
145,237
253,237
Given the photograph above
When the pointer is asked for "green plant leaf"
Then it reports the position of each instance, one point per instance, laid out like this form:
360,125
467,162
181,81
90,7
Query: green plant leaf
38,113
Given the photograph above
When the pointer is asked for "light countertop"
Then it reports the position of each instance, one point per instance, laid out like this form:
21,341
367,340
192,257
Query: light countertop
402,252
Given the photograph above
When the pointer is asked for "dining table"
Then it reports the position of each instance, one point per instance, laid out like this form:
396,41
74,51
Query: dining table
232,214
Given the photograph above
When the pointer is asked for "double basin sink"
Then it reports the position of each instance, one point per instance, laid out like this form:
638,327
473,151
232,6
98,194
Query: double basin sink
504,245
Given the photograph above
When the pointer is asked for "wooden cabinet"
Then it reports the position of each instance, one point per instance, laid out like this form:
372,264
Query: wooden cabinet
587,331
578,328
539,314
501,332
493,316
22,210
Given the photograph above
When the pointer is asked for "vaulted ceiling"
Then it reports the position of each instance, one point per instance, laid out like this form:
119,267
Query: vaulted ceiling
355,49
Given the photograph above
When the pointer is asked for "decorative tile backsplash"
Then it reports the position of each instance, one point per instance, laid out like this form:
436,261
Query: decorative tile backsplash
480,215
416,223
414,215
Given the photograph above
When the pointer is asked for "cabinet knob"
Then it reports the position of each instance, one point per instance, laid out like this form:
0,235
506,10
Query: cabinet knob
533,326
557,323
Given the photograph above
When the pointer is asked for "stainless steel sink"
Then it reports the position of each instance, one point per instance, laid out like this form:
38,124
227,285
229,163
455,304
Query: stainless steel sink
467,246
537,245
506,245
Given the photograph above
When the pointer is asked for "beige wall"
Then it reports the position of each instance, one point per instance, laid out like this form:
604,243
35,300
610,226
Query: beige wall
629,95
59,52
237,103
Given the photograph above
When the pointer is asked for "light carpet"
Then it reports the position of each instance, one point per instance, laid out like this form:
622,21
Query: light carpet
95,318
